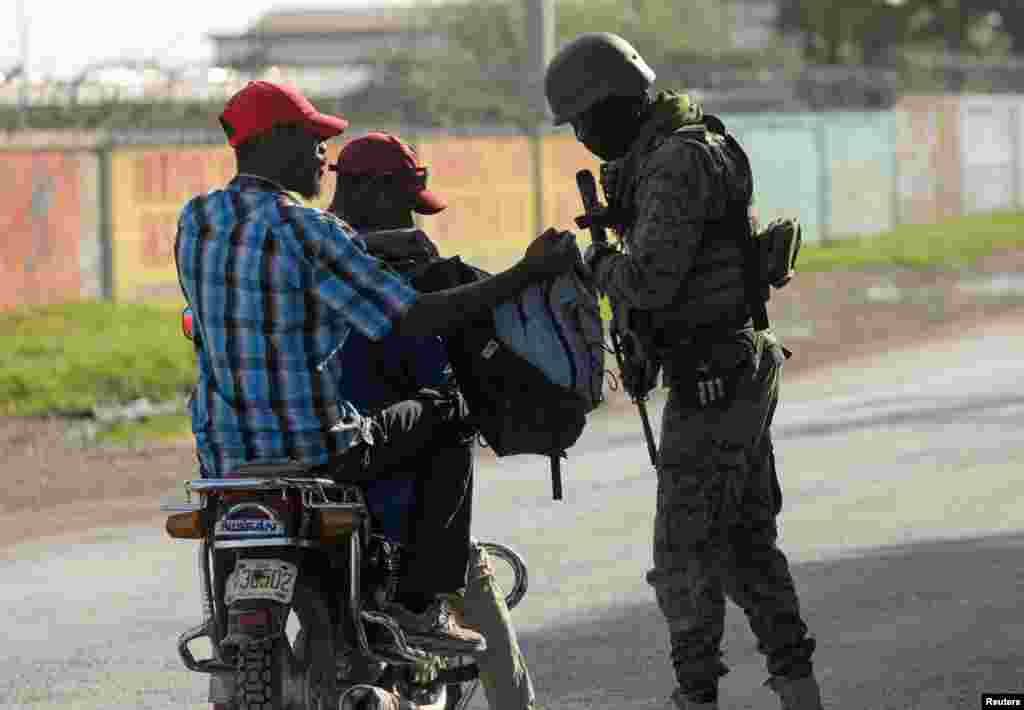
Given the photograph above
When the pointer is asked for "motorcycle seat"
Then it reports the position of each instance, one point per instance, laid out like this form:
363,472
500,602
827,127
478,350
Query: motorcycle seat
287,469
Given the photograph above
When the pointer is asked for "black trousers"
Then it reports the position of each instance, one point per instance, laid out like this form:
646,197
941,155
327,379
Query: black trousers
422,440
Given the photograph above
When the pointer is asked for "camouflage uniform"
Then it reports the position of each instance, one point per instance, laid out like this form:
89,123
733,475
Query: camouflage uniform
718,494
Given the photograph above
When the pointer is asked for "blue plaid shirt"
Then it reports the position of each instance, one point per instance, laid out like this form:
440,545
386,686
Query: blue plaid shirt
275,289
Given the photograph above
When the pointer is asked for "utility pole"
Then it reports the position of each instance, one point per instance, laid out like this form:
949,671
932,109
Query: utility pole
540,44
540,34
23,87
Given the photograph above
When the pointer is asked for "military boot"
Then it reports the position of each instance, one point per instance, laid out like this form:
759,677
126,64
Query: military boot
797,693
684,703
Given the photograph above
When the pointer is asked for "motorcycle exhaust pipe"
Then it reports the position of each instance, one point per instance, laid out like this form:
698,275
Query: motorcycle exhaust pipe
370,697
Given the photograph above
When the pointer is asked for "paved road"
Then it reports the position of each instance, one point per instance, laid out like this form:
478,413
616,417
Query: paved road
924,445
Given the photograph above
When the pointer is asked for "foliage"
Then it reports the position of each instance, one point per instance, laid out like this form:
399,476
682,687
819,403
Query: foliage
484,71
873,31
659,30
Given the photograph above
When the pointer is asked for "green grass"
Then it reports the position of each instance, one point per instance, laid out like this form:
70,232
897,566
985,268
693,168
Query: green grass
950,244
68,358
164,427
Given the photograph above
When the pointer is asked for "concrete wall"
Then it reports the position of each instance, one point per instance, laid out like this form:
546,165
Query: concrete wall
50,247
91,216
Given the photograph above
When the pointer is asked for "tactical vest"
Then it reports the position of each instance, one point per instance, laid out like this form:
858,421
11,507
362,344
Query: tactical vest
713,295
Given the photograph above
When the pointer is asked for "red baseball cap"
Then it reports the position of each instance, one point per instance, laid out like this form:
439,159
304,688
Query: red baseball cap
262,105
379,154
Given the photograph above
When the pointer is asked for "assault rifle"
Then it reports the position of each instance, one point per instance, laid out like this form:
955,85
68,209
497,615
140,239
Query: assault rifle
626,352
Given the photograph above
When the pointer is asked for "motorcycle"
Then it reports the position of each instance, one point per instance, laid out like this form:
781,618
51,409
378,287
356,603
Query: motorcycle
296,578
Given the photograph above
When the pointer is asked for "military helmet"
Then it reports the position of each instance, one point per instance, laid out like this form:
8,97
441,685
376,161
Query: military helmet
591,68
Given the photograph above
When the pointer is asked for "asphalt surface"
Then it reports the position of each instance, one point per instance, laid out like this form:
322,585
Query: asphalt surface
901,477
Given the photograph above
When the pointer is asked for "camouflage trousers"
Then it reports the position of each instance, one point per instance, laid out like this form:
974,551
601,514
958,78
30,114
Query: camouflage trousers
481,607
715,533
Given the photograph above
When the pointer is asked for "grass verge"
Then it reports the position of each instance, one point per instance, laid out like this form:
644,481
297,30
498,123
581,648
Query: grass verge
161,428
71,357
951,244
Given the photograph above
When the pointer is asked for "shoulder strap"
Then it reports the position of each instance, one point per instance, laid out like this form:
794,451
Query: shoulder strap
756,294
738,221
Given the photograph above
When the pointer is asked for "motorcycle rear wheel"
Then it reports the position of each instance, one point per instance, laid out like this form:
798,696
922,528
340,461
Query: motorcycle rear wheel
285,673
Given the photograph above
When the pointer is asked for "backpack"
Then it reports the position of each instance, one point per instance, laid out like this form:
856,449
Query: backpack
530,370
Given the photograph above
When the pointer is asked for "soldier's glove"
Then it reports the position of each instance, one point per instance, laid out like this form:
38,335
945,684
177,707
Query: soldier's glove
595,252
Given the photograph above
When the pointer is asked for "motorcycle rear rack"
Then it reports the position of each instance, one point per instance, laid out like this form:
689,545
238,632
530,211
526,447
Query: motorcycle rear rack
308,486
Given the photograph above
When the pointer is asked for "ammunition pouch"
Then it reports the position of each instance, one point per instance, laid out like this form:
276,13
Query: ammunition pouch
706,370
776,249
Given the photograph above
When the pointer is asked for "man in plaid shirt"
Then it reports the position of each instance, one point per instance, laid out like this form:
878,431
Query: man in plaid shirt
276,287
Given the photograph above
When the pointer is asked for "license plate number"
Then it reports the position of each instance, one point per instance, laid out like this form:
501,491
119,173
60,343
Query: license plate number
261,579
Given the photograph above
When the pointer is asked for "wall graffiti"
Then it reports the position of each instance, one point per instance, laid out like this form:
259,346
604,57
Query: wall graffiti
41,223
150,187
933,157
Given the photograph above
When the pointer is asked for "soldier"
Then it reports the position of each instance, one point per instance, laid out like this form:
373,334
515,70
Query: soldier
675,185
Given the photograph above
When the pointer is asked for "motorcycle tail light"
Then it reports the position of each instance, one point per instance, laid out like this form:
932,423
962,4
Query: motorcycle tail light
337,523
186,526
187,324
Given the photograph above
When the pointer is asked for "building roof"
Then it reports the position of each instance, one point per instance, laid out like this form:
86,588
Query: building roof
348,21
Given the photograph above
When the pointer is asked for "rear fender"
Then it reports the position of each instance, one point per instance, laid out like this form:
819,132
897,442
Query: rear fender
250,621
258,593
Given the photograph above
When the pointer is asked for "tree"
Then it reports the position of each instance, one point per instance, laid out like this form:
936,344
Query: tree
846,31
482,69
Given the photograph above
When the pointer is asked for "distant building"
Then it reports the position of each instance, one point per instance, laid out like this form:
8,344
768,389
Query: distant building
324,51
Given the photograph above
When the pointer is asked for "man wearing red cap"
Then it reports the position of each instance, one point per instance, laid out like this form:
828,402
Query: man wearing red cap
381,183
275,289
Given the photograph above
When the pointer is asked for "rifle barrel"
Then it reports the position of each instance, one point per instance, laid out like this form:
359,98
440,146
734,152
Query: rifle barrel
588,194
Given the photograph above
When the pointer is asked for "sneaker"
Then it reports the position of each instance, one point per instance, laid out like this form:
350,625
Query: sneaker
437,630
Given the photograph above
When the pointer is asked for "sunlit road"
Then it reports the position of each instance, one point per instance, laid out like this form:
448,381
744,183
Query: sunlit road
920,445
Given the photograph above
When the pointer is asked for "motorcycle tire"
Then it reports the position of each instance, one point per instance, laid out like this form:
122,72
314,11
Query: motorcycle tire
284,674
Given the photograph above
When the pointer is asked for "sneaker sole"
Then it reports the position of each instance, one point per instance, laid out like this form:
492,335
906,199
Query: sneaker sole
437,644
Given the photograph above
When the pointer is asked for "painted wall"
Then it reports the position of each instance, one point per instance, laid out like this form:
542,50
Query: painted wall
928,159
43,226
149,188
843,174
990,152
488,184
860,157
562,157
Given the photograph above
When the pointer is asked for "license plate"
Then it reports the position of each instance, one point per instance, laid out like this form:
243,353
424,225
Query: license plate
261,579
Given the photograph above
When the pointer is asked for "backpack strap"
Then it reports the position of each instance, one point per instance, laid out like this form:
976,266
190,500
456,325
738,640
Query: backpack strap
752,288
